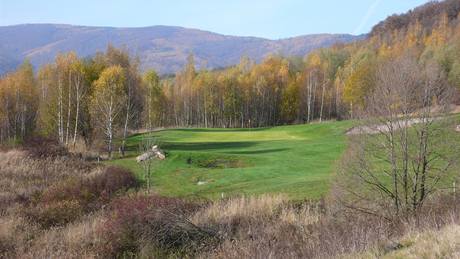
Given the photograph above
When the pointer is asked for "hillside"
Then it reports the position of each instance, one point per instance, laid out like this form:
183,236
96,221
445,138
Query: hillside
164,48
428,15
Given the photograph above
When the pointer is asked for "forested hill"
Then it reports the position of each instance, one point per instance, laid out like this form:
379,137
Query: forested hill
427,15
163,48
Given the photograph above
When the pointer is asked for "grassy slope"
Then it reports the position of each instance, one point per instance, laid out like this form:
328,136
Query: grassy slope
296,160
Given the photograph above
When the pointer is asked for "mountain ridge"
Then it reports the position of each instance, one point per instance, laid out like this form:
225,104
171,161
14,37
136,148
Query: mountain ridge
161,47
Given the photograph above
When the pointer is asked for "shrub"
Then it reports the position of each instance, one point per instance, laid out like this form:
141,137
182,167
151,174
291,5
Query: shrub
57,213
100,186
66,201
151,222
74,240
23,178
40,147
113,180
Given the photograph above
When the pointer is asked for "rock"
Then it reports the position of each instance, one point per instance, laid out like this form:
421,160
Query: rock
154,153
160,155
144,157
457,128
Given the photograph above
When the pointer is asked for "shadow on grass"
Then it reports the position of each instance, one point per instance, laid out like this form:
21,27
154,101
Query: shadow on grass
208,146
256,152
222,130
182,146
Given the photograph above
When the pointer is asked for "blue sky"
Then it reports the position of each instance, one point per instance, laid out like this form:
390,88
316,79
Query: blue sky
264,18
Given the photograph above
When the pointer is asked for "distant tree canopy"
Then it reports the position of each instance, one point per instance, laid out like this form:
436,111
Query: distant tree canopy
428,15
67,99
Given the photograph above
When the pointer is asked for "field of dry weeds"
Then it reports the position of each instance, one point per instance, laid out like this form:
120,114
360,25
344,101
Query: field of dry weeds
63,207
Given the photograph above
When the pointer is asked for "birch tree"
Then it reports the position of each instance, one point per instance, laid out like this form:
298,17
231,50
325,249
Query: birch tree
108,103
80,92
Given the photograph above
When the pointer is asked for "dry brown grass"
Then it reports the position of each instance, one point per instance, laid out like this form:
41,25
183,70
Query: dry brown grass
249,207
271,227
22,176
258,227
15,235
22,179
38,190
149,226
442,243
76,240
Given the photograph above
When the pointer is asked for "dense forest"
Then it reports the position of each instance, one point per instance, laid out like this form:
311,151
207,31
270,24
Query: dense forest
99,99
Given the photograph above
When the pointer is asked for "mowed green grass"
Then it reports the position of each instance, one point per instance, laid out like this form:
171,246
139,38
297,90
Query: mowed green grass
294,160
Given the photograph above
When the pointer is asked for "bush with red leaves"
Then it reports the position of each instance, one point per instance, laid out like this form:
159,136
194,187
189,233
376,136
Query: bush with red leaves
100,187
158,223
79,196
40,147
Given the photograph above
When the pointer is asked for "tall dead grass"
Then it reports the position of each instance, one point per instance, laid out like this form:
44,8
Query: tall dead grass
60,207
258,227
443,243
38,193
272,227
76,240
22,176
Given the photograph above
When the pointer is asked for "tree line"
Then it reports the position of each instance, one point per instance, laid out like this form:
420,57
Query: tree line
101,99
330,83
